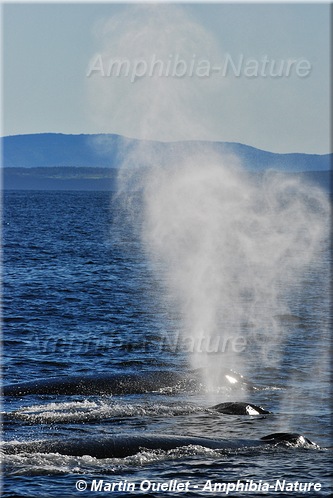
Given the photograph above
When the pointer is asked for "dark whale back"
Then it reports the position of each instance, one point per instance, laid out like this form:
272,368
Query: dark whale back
122,383
129,383
287,437
120,446
240,408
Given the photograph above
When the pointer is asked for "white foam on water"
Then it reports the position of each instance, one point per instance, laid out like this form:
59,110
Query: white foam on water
85,411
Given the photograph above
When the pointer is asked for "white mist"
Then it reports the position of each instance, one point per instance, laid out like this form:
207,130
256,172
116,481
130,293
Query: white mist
229,246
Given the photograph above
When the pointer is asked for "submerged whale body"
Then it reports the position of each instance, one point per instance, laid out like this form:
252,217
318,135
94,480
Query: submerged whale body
122,383
120,446
239,408
129,383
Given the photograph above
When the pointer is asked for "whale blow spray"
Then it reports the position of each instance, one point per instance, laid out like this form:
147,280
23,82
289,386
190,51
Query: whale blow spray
228,245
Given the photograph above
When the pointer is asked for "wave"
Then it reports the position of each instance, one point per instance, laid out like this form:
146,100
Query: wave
89,411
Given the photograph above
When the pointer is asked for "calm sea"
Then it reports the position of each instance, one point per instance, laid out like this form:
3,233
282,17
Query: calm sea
79,299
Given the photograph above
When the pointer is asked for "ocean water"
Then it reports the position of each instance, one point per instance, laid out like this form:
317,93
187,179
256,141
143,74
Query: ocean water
80,298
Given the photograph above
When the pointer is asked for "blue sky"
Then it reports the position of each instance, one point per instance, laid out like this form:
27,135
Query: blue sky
49,48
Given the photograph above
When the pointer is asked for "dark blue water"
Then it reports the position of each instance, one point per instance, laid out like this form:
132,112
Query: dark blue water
80,298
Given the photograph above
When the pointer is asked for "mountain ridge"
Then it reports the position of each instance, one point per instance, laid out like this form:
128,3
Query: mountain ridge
58,161
105,150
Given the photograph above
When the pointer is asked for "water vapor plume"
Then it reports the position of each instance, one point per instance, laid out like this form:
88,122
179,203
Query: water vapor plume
149,78
232,248
229,245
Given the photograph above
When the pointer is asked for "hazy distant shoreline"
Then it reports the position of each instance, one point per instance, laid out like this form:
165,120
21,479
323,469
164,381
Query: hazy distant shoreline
55,161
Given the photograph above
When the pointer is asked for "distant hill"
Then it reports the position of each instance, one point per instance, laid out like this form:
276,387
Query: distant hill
57,149
89,162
